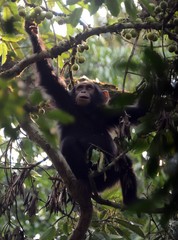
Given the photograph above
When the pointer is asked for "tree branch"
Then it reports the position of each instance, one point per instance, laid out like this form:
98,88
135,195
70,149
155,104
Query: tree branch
106,202
74,41
78,189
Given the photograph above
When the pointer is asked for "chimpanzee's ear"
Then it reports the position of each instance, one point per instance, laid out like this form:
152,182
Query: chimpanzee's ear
106,96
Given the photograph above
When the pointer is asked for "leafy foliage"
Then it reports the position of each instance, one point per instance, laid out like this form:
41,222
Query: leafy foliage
136,52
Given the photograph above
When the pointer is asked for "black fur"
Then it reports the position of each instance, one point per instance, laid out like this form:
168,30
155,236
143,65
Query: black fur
90,130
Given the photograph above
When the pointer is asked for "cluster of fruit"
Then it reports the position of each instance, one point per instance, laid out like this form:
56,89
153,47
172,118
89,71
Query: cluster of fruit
157,13
79,59
34,14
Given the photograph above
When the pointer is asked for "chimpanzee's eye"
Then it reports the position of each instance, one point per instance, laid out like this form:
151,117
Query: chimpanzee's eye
79,88
89,87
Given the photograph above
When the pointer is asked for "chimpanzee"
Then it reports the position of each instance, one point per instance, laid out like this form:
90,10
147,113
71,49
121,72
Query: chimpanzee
90,130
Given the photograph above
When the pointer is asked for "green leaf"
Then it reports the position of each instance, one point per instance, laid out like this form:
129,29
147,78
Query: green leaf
17,50
61,116
46,126
155,63
70,32
155,149
27,148
62,8
131,226
70,2
120,65
94,6
9,131
131,8
113,6
147,124
75,17
139,145
49,234
152,166
156,146
12,38
147,5
36,97
122,100
2,2
6,13
66,227
3,52
13,7
125,234
51,4
35,174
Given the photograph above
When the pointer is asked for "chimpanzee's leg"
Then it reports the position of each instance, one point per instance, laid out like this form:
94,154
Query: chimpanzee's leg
128,180
121,171
75,152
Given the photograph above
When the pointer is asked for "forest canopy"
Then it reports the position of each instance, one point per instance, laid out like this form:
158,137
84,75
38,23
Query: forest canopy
129,48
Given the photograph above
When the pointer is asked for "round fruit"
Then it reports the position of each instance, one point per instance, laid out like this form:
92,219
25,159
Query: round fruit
152,6
163,5
150,19
41,111
86,47
155,37
81,59
38,20
176,29
172,48
60,20
152,36
128,36
125,31
22,12
37,10
28,17
134,33
42,16
32,14
138,20
75,67
176,51
81,48
175,21
158,9
49,15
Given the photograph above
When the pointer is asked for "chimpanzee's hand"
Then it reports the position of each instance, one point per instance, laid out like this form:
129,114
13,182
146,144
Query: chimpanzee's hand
31,28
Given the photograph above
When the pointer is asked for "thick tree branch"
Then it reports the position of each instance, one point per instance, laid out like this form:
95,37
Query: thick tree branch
68,44
78,190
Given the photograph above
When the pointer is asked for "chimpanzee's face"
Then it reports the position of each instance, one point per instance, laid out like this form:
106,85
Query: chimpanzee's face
84,93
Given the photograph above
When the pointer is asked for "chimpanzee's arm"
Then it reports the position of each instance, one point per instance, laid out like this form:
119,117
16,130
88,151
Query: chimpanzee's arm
112,116
48,79
135,113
